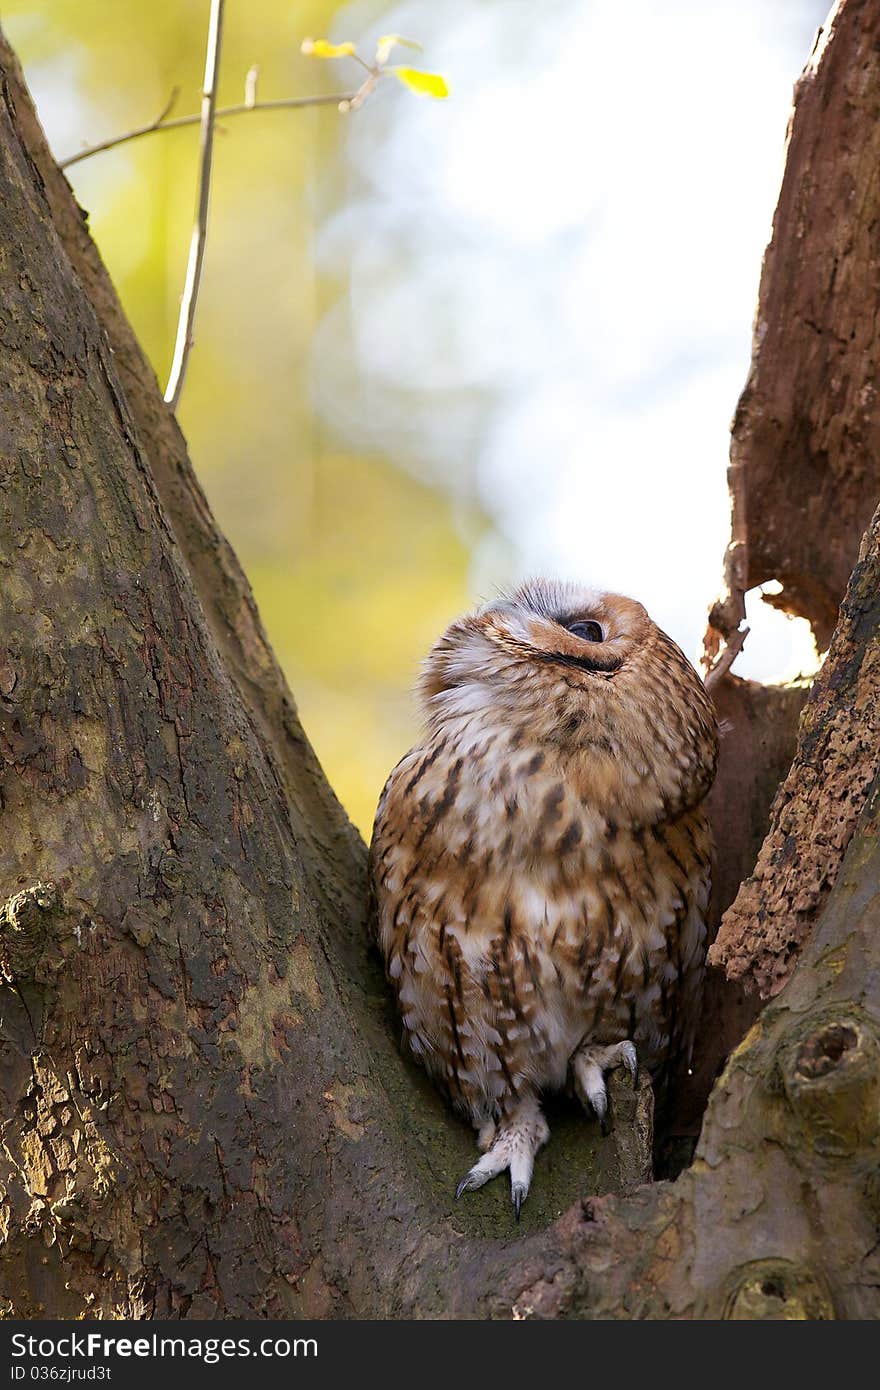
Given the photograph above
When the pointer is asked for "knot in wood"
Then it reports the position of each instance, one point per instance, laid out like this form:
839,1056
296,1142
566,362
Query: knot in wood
777,1290
831,1075
24,919
22,911
824,1049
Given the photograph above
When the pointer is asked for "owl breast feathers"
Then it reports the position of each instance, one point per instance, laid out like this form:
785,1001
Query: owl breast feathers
540,861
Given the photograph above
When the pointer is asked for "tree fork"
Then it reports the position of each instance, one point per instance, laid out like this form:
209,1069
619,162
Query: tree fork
200,1073
204,1110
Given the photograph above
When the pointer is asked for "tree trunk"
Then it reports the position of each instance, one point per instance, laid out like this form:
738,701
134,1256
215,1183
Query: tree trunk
805,449
205,1110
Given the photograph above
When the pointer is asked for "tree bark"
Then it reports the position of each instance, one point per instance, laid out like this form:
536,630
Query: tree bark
820,801
205,1113
805,447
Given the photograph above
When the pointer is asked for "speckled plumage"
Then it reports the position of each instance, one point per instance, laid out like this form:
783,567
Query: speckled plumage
540,861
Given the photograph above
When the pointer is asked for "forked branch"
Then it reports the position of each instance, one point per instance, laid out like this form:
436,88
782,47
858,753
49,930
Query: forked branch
243,108
727,657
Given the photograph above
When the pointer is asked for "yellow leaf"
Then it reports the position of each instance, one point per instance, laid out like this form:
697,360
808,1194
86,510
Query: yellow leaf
389,41
430,84
320,48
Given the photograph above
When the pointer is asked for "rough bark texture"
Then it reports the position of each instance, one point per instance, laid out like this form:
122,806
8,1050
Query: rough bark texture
204,1112
805,452
819,803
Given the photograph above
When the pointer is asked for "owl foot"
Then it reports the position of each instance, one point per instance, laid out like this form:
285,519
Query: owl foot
517,1139
589,1065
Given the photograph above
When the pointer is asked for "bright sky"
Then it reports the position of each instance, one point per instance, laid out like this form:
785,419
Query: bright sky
553,274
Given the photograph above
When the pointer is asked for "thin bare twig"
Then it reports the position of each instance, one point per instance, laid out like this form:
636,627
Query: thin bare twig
222,112
168,107
725,659
190,296
366,89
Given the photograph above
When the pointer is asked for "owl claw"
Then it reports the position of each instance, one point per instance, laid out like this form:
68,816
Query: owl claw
630,1060
598,1098
589,1065
470,1182
518,1138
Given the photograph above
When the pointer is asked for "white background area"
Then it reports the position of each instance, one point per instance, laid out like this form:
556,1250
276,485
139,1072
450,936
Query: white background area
551,279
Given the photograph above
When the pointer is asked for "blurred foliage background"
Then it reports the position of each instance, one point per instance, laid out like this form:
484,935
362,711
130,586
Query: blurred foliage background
419,371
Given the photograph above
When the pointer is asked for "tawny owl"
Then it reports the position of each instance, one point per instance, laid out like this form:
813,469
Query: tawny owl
540,861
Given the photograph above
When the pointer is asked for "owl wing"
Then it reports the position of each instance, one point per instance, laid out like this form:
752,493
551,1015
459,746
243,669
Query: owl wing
416,906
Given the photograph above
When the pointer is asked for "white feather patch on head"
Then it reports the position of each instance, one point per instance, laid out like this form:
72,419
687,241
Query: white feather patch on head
546,598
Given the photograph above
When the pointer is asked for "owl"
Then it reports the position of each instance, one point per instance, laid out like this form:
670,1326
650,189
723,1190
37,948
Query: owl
540,862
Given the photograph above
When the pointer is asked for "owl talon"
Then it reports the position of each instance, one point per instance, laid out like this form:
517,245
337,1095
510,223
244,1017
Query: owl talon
630,1060
469,1183
589,1065
518,1138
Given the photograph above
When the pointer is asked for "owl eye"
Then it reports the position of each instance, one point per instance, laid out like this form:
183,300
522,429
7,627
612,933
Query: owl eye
588,631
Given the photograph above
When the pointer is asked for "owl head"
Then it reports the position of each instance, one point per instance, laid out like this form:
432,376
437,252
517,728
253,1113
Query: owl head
588,673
